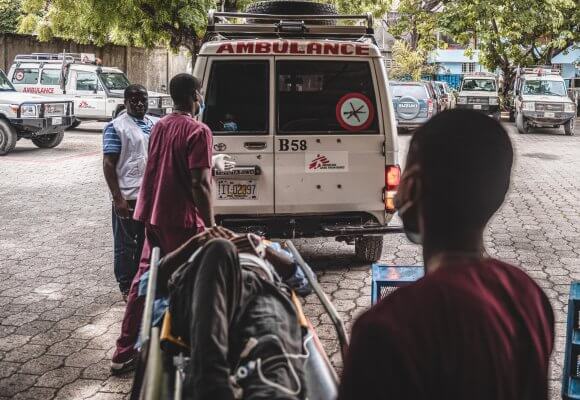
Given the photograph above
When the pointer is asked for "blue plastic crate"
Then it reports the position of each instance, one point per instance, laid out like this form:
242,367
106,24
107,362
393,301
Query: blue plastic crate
571,375
387,278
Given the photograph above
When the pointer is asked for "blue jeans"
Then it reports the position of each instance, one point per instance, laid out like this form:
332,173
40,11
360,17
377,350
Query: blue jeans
128,235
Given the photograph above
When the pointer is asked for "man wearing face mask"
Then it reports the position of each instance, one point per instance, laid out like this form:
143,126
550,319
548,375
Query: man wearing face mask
474,327
125,143
175,201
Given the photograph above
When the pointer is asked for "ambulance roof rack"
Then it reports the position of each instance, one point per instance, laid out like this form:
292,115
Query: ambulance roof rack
481,73
54,58
540,70
220,26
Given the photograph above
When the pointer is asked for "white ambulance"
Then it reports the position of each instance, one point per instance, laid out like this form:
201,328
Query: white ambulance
97,91
304,111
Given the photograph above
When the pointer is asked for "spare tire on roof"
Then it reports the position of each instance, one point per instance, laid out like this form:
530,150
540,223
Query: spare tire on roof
292,7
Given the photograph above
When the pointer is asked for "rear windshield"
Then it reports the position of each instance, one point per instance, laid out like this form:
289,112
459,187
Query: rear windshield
25,76
416,91
50,77
325,97
479,85
237,98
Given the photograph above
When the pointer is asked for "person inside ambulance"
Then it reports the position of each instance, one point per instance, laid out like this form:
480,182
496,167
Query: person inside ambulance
474,327
233,303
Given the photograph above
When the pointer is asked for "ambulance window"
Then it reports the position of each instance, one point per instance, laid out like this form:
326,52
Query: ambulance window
86,81
237,97
25,76
325,96
50,77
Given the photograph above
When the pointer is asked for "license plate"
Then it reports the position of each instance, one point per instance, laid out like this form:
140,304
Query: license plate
233,189
169,111
477,106
57,120
549,115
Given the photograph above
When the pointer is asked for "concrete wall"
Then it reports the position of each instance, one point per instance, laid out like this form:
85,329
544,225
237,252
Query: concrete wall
151,68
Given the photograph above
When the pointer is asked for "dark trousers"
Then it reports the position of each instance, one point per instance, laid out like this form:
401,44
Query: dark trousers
128,236
167,239
219,305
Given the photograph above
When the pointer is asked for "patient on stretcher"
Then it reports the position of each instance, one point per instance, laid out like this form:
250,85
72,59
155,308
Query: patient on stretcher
231,303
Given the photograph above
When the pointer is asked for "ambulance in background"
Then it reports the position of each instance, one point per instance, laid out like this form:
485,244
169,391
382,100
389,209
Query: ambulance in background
97,91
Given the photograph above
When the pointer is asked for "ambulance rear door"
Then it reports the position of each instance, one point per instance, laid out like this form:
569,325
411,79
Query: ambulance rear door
238,101
329,142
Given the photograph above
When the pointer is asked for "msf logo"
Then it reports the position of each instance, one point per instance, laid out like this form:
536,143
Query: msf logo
319,162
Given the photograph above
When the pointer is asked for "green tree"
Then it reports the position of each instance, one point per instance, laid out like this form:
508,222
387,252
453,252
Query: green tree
129,22
138,22
514,32
417,23
10,11
409,63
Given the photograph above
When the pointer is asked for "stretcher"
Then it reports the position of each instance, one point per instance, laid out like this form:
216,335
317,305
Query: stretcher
163,359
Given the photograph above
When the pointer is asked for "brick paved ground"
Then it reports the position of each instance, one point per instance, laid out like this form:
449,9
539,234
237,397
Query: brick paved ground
60,310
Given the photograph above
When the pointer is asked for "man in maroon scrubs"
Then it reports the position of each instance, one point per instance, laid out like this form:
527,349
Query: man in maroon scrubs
474,327
175,200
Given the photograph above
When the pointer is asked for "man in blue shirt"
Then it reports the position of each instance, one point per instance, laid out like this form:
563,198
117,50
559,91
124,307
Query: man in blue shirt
125,145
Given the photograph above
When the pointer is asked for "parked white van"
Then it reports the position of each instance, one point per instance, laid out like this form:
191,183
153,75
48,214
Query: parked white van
97,91
304,111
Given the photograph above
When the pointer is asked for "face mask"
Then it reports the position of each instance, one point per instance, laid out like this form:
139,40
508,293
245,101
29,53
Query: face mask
409,215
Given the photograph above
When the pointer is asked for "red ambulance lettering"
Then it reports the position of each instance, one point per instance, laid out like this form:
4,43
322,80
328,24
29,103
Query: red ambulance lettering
363,50
285,47
245,47
263,48
331,48
225,48
280,47
295,48
314,48
346,49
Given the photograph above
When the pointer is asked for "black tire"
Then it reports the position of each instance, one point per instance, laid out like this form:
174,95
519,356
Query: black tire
8,137
74,125
369,248
521,124
569,127
512,116
48,141
291,7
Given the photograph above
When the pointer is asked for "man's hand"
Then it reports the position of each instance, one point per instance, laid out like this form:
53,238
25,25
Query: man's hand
122,208
222,162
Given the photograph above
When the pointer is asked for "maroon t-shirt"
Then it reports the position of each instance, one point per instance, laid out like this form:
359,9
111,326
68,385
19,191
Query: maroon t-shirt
177,145
483,331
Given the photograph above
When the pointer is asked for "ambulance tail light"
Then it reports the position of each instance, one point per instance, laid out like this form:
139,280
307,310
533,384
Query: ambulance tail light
392,180
429,107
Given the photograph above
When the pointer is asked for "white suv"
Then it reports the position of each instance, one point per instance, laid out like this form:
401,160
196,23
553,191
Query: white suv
479,91
29,116
97,91
305,112
540,99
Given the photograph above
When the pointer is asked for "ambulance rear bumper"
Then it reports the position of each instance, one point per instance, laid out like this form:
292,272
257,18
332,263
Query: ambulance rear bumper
313,225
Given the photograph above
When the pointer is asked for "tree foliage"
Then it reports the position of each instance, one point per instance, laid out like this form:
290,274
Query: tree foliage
10,12
514,32
409,63
129,22
417,23
139,22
